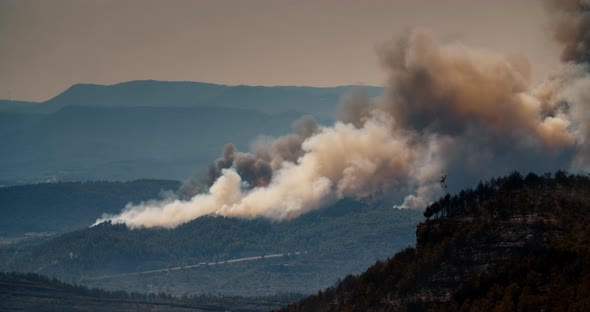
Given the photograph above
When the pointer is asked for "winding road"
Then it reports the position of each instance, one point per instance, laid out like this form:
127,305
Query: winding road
202,264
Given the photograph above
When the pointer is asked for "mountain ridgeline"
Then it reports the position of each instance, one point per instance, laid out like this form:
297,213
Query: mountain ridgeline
511,244
320,101
147,129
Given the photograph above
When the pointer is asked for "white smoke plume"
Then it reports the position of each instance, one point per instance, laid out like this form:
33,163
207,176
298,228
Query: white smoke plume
447,108
339,161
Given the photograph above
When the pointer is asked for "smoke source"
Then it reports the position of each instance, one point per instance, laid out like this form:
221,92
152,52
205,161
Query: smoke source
447,108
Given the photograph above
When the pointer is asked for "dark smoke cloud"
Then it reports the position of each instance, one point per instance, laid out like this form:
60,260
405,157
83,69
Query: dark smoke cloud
255,168
572,28
288,147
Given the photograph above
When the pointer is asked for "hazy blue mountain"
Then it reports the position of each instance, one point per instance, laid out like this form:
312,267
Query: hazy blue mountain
123,143
320,102
12,122
147,129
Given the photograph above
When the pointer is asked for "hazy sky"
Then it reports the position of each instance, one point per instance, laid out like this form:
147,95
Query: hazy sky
49,45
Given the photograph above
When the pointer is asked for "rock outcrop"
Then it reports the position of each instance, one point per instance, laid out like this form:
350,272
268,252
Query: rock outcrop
510,244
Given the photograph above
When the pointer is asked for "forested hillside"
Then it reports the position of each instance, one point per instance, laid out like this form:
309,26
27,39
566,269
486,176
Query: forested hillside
316,249
513,243
33,292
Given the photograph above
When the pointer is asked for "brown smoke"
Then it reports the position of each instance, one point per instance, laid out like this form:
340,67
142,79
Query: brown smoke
451,89
572,28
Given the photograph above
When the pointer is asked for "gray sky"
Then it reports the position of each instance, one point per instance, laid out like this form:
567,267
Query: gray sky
49,45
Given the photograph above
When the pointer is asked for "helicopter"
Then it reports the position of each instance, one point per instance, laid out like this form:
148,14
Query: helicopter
443,181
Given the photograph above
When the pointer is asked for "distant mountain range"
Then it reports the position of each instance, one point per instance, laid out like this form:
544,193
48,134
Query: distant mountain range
147,129
317,101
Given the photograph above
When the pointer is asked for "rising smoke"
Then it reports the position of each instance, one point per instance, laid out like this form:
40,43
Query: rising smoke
255,169
447,108
572,28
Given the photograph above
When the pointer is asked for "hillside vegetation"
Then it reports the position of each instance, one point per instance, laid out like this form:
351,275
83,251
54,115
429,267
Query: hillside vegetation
511,244
33,292
338,240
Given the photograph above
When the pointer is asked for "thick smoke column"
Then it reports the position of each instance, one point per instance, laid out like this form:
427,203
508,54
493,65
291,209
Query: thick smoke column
450,90
476,106
447,108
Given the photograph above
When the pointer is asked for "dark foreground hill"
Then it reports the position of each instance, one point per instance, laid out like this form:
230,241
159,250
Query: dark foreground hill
32,292
225,256
511,244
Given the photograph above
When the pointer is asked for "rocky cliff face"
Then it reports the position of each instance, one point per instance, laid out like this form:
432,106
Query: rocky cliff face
511,244
474,249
